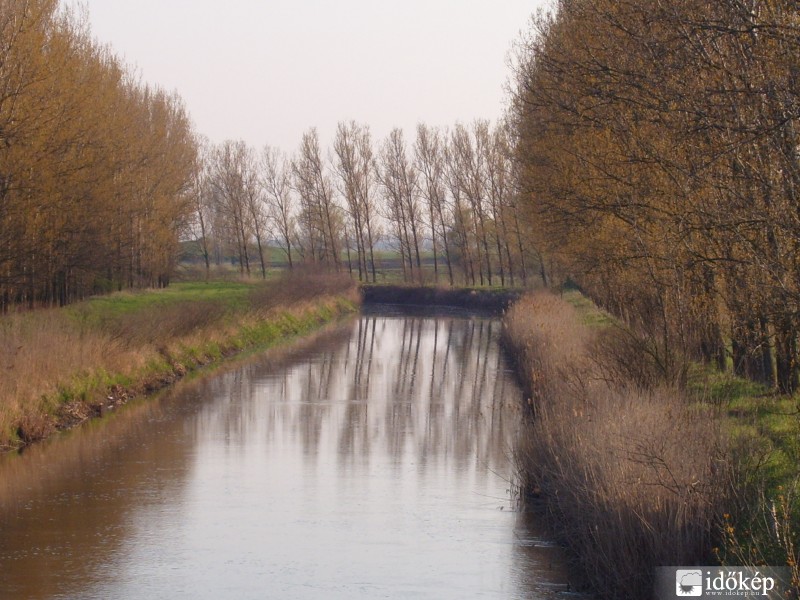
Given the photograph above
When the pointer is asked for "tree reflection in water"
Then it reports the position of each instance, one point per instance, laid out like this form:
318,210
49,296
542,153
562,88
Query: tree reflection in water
373,462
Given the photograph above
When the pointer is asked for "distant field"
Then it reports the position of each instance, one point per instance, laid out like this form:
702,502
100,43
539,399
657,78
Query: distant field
388,267
232,294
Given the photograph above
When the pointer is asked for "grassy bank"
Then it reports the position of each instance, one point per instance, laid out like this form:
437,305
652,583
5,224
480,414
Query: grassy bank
760,523
61,367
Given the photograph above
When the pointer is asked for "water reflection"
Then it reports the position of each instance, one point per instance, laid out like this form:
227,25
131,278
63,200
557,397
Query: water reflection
373,464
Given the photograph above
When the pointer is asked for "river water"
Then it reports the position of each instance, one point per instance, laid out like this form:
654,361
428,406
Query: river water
369,462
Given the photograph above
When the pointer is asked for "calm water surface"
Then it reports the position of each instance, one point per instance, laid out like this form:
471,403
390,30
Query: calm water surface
372,463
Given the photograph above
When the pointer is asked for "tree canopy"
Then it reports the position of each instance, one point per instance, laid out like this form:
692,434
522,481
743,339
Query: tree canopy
659,156
94,166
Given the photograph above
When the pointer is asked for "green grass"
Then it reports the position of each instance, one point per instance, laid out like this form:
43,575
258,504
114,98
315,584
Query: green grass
234,295
753,414
773,424
770,422
589,313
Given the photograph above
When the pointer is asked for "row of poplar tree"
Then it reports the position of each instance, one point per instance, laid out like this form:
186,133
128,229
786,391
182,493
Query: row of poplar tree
659,151
103,179
94,166
448,203
652,155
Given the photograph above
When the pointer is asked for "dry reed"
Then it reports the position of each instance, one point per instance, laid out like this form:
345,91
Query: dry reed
58,368
632,473
42,353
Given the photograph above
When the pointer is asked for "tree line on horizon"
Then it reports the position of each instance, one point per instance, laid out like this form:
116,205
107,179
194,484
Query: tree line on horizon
448,205
659,153
102,178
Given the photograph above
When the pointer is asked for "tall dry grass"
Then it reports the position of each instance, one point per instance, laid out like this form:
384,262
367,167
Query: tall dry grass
631,473
41,354
302,285
58,367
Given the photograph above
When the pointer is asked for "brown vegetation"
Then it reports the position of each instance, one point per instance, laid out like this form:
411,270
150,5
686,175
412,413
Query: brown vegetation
63,366
658,150
633,475
301,285
41,354
94,166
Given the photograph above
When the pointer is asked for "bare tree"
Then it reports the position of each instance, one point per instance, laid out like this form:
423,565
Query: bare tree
276,181
255,203
201,200
228,183
319,213
368,199
499,186
399,181
354,164
468,153
462,234
429,160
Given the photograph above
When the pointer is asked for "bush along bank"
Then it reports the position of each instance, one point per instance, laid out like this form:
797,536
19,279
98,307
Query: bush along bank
634,474
65,366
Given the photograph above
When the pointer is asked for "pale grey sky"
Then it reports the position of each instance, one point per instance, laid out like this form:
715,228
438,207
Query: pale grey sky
265,71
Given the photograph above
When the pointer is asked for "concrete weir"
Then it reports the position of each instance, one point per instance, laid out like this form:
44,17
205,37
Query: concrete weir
483,300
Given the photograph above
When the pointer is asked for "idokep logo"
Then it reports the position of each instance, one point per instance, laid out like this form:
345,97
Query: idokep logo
717,582
689,583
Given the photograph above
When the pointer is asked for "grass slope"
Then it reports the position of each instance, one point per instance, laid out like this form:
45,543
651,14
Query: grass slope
63,366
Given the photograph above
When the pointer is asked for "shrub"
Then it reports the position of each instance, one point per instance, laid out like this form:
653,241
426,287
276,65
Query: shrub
300,285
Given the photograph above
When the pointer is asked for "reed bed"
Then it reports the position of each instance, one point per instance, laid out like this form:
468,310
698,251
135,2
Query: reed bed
632,473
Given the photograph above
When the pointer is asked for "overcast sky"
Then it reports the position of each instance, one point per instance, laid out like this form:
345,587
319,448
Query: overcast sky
265,71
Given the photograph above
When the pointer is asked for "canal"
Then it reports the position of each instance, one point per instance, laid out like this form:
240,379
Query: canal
372,461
